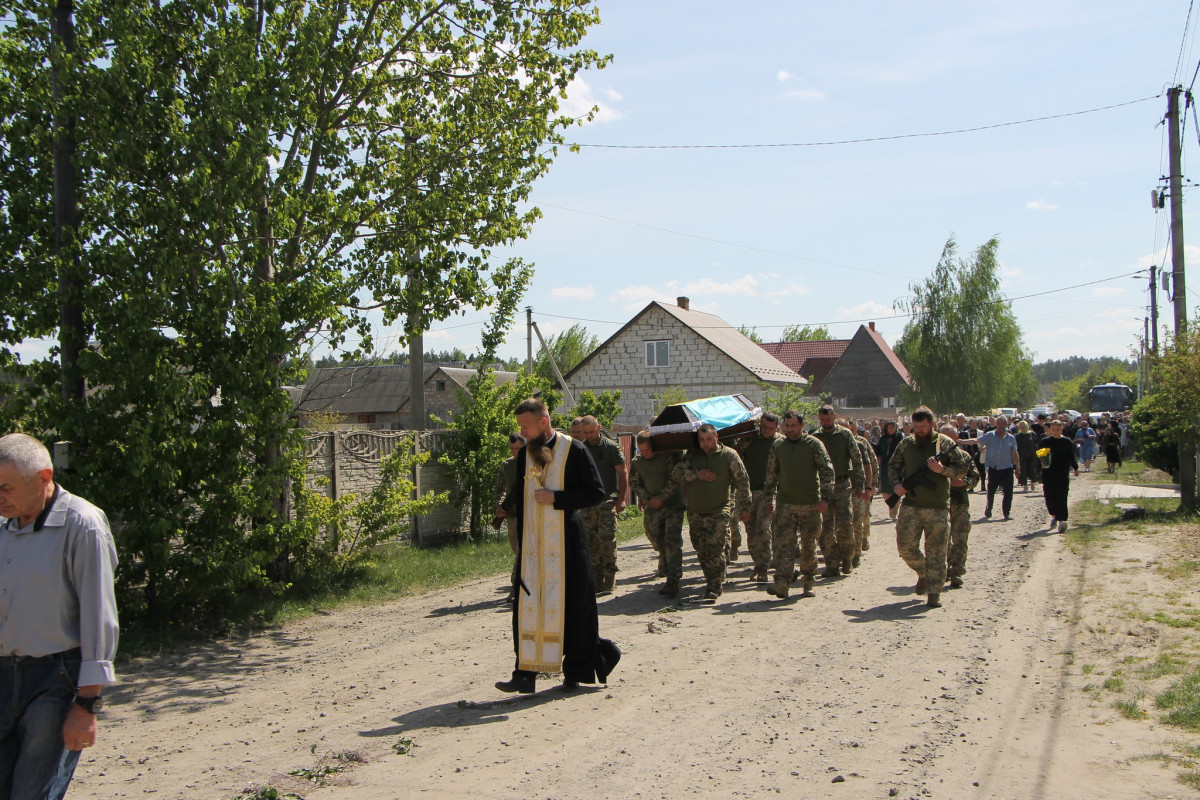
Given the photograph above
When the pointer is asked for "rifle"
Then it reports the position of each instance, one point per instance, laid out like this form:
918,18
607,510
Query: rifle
918,478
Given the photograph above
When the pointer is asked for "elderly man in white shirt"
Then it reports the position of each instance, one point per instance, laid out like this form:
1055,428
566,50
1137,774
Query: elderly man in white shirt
58,622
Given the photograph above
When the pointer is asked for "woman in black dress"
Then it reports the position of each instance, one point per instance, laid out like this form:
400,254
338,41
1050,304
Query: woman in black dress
889,439
1112,446
1056,478
1026,447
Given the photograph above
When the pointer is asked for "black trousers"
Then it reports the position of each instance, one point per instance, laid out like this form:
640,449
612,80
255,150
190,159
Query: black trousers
1000,479
1055,486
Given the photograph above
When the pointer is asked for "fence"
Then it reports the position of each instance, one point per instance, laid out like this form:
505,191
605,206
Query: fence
348,461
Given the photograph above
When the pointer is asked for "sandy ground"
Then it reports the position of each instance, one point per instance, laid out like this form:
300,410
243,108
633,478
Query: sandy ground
858,692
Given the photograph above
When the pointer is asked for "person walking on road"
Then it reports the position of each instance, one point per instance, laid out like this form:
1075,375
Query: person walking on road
1056,476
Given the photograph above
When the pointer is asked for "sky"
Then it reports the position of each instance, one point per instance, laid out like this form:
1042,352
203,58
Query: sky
836,234
678,187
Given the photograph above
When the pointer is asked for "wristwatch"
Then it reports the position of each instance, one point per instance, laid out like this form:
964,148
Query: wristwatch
91,705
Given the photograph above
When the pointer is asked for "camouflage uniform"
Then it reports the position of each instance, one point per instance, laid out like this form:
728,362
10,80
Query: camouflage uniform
708,505
799,475
506,480
837,534
654,478
960,523
862,508
756,454
926,511
600,521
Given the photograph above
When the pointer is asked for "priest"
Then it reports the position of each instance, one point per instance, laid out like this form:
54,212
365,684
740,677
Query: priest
555,625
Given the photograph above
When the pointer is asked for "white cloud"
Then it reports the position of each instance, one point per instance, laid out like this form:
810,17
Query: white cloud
1057,183
746,286
783,75
635,298
1008,273
805,94
573,292
1108,291
1041,205
1190,254
581,98
867,309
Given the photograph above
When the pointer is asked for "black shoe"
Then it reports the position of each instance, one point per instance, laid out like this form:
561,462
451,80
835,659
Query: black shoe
956,582
521,684
831,572
987,514
568,686
933,601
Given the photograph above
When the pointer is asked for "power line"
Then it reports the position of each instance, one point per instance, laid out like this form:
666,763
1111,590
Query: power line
875,318
863,140
1183,41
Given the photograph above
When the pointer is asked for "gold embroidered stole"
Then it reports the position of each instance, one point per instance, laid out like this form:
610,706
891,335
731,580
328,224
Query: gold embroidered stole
543,569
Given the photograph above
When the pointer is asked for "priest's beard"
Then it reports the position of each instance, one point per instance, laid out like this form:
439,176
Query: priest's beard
537,450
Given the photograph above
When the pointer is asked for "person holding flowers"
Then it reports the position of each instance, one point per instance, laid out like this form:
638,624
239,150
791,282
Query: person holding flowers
1057,456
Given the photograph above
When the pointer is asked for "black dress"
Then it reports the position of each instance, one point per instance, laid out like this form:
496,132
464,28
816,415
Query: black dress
1056,478
586,657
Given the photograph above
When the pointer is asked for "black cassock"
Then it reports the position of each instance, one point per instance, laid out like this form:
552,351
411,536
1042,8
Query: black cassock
586,657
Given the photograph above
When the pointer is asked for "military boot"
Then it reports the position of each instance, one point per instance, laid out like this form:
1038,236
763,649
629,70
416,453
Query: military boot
921,586
778,589
934,600
670,589
807,585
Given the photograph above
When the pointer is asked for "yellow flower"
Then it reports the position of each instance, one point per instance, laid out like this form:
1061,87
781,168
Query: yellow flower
1045,451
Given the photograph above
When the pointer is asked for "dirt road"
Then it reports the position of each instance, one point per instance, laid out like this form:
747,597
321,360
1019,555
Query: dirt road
858,692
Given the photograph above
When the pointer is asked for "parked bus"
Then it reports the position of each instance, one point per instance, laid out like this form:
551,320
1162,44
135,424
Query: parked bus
1111,397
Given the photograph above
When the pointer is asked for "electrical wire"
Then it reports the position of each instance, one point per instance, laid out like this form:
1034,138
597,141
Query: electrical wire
1183,41
863,140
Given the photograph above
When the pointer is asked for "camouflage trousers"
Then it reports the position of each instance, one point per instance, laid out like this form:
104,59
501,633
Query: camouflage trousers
932,523
960,529
758,532
861,512
600,522
664,529
837,528
795,525
734,543
708,533
510,522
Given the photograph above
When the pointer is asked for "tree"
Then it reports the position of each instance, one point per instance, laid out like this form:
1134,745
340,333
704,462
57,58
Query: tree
790,397
569,348
1075,393
605,407
255,178
806,333
670,396
1169,419
962,344
750,333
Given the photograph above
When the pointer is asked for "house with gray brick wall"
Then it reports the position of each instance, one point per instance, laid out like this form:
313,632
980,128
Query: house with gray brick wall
665,346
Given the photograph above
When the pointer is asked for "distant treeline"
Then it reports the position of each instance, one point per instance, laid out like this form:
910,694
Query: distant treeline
1060,369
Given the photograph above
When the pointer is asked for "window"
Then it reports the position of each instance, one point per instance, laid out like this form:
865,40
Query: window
658,354
441,386
889,402
366,419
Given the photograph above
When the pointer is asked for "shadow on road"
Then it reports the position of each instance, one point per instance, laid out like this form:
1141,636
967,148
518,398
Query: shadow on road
905,609
467,712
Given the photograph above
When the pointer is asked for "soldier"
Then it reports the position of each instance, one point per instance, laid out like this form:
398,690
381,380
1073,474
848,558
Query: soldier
506,479
661,500
600,521
755,453
861,503
800,476
929,461
960,517
837,533
709,472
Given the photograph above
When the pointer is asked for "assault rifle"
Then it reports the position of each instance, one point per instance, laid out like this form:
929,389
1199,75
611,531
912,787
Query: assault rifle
919,478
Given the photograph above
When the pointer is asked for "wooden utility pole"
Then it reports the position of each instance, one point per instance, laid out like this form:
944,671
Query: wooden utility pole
528,340
1187,437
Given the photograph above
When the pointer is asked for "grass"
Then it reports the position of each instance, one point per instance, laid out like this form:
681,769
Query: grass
393,573
1090,515
1165,664
1134,472
1131,708
266,793
1182,702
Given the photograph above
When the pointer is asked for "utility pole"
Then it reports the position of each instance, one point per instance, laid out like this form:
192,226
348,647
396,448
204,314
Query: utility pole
528,340
1187,436
1153,338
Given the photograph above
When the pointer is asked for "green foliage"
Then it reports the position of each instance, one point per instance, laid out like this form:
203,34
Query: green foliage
963,346
254,178
750,333
670,396
479,443
790,397
1156,436
1182,702
1055,370
1074,392
806,333
605,407
569,348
